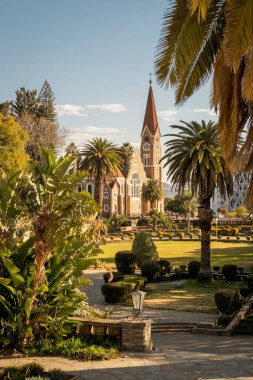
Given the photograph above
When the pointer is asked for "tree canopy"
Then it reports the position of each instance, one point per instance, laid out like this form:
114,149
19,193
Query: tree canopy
12,145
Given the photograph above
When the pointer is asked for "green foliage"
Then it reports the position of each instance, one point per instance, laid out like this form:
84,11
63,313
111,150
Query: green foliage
138,280
152,191
27,371
150,270
250,283
117,292
77,348
229,272
118,221
43,251
193,269
228,301
117,276
144,249
125,262
181,235
248,237
216,268
164,267
12,145
191,235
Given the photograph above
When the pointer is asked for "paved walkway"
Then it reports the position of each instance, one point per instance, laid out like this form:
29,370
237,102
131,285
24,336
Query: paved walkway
178,356
96,299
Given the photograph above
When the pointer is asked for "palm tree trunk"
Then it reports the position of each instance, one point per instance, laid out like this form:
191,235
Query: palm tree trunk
98,193
125,197
205,218
188,222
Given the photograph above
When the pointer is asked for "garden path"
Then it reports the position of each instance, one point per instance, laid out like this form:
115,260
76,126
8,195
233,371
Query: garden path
96,299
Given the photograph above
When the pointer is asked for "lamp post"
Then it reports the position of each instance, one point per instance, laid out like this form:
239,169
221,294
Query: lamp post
137,301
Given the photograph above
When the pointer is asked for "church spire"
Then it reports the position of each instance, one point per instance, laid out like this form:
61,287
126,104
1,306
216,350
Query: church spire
150,118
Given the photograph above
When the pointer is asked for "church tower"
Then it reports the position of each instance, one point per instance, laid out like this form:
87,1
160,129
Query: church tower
151,149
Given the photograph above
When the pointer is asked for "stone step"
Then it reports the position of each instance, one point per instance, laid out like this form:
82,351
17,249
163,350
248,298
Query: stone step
172,327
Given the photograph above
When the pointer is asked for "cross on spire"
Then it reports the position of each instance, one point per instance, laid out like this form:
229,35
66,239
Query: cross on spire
150,81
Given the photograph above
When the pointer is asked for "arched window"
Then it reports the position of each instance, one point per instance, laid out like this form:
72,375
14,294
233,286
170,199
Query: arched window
135,185
89,188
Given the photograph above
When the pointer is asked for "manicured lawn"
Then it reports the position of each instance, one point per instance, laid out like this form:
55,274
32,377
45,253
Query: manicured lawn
190,295
181,252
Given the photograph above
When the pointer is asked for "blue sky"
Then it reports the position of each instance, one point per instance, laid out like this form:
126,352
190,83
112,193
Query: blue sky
97,56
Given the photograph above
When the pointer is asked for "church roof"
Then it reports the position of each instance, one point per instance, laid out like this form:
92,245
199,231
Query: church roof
150,118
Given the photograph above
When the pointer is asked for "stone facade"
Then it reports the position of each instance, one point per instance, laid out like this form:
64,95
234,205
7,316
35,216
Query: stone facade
145,164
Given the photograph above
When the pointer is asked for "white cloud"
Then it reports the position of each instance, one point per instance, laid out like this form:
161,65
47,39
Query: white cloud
100,130
81,135
205,110
70,110
114,107
168,115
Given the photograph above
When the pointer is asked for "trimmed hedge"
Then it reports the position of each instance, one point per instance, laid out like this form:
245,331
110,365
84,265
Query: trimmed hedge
150,271
229,271
138,280
117,276
228,301
125,262
193,269
164,267
144,249
117,292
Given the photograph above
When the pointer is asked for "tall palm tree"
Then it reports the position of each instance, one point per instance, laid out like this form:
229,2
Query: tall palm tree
127,151
213,39
194,159
189,205
152,192
101,159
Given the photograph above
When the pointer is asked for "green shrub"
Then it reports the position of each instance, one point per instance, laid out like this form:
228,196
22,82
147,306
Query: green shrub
183,267
112,237
77,348
97,353
193,269
199,236
216,268
138,280
164,267
125,262
228,237
248,237
117,276
238,237
150,271
23,372
181,235
191,235
160,234
117,292
174,227
144,249
170,235
229,272
234,231
228,301
57,374
250,283
40,378
122,237
219,236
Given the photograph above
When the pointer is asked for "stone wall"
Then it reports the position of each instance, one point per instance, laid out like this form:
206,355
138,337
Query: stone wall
134,335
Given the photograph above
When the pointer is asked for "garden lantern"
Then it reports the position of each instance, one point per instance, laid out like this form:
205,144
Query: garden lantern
138,301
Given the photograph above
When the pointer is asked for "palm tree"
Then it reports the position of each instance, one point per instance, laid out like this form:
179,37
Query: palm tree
194,159
152,192
127,151
155,215
72,151
101,159
189,205
213,39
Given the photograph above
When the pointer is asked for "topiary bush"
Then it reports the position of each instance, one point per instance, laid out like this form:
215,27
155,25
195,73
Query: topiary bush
229,271
228,301
138,280
150,271
125,262
117,292
248,237
164,267
191,235
144,249
193,269
117,276
181,235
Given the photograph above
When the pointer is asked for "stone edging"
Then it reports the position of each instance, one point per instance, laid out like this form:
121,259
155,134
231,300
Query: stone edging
231,326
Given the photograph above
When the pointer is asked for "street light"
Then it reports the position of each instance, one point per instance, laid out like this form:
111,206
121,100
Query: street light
215,219
137,301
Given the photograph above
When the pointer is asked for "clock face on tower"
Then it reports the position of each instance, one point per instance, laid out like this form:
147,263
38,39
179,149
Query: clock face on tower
146,139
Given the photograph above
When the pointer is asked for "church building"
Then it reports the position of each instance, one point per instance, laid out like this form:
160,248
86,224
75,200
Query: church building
123,195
